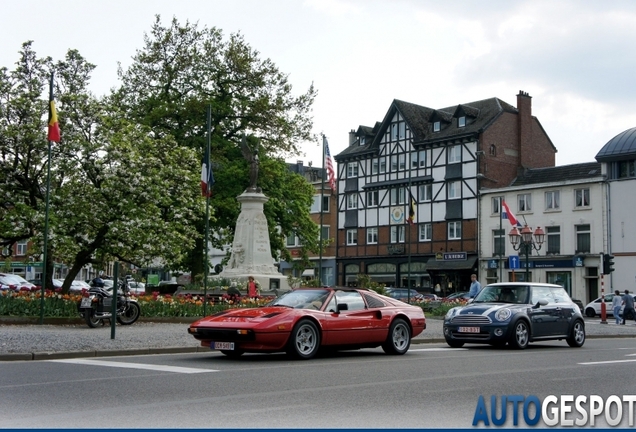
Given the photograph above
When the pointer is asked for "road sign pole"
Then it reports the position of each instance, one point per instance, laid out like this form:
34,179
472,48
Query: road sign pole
603,307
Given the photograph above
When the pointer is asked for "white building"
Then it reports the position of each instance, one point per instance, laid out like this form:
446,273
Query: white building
569,204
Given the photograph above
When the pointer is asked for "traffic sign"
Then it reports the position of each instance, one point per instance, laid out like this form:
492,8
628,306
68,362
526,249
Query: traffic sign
513,262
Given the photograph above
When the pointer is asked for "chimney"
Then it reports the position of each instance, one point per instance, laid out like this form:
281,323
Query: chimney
299,167
352,137
524,126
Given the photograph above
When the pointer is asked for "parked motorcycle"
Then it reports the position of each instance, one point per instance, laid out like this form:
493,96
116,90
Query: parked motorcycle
97,304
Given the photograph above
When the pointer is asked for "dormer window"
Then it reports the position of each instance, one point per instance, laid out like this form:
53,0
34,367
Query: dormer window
437,126
461,121
363,141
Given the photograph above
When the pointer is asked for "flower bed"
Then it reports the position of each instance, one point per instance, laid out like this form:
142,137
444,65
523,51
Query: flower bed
27,303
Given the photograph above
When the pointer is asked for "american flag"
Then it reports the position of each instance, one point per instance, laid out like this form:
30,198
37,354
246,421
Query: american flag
331,174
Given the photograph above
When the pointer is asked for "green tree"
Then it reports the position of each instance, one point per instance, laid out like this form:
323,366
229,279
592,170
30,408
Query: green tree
183,69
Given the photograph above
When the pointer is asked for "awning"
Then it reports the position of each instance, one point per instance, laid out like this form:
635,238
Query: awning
383,279
436,265
308,272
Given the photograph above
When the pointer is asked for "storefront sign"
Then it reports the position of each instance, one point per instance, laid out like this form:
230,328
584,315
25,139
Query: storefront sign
455,256
395,249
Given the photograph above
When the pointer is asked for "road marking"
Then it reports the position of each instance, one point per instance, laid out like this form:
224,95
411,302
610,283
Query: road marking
438,349
175,369
608,362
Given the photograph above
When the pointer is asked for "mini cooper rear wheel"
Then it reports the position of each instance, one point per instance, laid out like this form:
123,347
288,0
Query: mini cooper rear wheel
577,335
304,340
454,344
520,336
399,338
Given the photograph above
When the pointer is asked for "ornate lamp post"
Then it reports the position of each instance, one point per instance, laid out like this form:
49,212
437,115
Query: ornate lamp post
523,242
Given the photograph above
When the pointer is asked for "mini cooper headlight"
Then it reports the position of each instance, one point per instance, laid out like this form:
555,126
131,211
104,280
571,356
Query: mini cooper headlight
451,313
503,314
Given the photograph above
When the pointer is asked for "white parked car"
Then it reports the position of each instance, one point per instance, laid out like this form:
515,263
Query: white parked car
138,288
15,282
78,286
593,308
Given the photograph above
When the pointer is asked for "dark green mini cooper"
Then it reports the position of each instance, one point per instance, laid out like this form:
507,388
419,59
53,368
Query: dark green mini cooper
516,313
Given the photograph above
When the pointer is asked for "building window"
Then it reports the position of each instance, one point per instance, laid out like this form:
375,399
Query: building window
553,234
397,234
454,154
352,169
394,129
394,163
398,196
581,198
382,165
402,162
437,126
524,202
374,166
426,232
454,190
363,141
372,235
454,230
292,241
496,205
625,169
352,237
315,205
493,150
552,200
425,192
21,248
352,201
372,198
325,232
421,157
461,121
499,242
402,129
583,236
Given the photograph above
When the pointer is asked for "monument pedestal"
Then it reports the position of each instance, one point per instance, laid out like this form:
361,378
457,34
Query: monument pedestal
251,252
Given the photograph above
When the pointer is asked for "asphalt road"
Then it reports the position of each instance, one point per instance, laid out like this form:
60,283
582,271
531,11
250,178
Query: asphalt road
432,386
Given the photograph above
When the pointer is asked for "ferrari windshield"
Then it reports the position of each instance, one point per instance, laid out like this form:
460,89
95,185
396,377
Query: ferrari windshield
303,299
515,294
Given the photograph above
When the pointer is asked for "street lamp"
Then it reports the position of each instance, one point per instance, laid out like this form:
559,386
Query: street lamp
523,242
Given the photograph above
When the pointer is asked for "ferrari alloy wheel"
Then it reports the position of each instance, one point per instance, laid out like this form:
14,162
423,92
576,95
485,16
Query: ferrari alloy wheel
304,340
399,339
520,336
130,315
576,339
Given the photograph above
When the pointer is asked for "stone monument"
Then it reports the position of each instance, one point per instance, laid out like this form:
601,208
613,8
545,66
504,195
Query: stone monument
251,254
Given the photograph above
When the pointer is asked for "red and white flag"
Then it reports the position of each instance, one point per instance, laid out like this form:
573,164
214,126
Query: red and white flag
331,174
507,214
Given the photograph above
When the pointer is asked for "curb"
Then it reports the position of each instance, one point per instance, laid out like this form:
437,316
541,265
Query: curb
179,350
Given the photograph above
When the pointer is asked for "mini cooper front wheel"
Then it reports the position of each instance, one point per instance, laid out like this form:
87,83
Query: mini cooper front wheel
520,335
576,339
454,344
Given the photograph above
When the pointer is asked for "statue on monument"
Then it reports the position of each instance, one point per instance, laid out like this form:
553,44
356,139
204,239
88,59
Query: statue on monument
251,156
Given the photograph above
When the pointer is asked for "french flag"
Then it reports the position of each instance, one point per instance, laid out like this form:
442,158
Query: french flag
507,214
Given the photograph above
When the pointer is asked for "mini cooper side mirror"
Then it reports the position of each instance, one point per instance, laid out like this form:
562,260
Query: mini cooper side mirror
541,302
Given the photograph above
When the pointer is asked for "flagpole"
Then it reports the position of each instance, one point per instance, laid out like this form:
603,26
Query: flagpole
410,198
46,211
503,249
207,211
322,199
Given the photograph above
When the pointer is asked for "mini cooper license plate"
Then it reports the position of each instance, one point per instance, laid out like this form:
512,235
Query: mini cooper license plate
225,346
86,302
468,329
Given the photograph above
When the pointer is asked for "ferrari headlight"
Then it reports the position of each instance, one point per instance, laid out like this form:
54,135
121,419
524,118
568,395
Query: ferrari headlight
503,314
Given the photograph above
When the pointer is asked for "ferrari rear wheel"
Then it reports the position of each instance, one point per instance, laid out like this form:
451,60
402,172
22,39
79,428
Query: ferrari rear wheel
304,340
399,339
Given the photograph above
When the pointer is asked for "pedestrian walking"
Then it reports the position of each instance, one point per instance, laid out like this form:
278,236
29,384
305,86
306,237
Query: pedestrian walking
475,286
253,287
617,302
628,301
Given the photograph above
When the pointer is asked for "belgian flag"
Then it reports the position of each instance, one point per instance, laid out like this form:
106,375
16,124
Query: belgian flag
54,126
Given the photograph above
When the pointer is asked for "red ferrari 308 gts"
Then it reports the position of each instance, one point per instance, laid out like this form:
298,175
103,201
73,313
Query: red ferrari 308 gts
302,321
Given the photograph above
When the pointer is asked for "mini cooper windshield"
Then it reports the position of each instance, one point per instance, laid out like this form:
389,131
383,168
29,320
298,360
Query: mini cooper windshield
503,294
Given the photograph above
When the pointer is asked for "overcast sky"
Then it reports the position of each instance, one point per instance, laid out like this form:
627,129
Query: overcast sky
575,58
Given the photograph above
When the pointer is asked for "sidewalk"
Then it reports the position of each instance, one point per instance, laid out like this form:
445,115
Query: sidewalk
73,338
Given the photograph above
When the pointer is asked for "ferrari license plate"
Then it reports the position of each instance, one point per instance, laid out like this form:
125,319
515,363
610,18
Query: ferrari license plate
225,346
468,329
86,302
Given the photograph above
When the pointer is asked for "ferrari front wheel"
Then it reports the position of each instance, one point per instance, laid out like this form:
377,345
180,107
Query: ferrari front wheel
304,340
399,339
